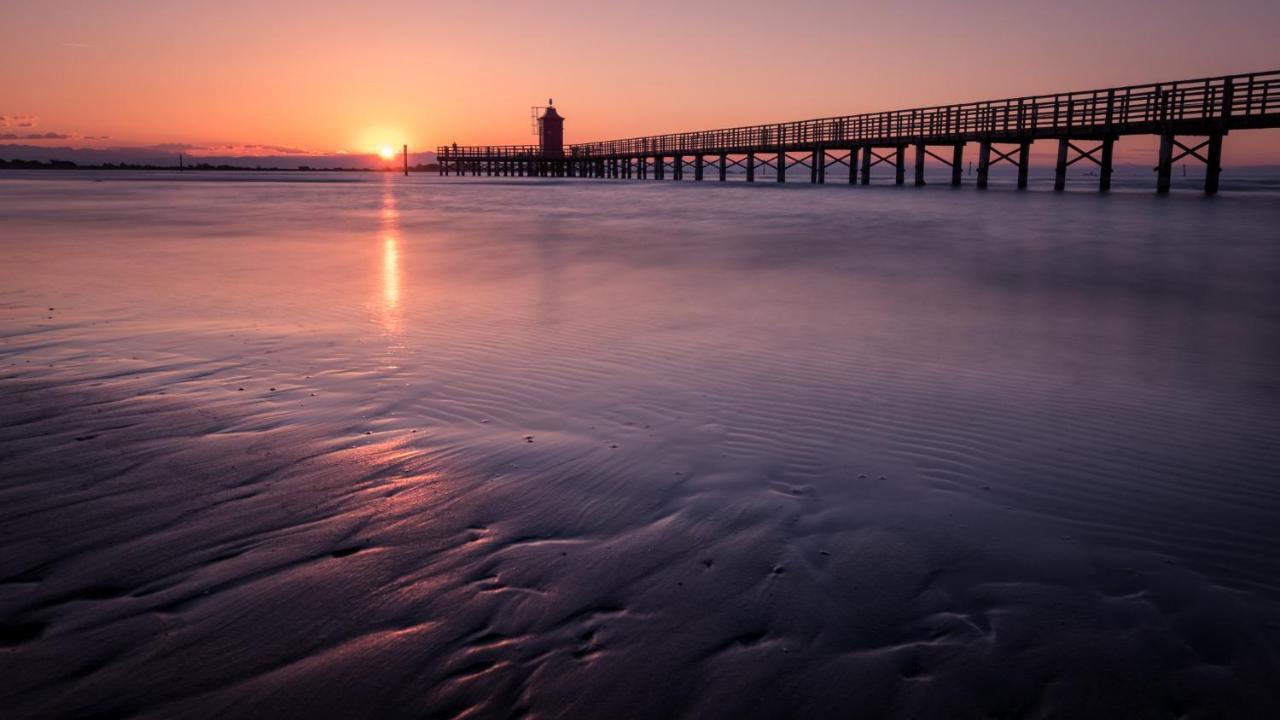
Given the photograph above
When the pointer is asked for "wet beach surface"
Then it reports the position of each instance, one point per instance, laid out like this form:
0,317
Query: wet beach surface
366,446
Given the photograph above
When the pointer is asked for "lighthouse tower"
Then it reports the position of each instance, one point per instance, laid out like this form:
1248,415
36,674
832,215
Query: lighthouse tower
551,132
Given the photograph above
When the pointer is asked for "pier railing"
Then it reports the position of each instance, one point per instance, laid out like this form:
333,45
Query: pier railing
1230,101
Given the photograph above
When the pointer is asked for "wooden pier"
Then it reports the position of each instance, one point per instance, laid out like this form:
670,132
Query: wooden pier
1191,117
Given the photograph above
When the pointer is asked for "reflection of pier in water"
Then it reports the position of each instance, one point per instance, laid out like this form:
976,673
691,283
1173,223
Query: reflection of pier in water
1191,117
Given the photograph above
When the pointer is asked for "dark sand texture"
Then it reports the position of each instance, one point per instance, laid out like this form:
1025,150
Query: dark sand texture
491,449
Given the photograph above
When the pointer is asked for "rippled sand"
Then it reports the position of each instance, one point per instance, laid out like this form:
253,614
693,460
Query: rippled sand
380,447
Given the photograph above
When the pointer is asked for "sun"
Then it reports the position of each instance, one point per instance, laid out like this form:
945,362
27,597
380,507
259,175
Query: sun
387,152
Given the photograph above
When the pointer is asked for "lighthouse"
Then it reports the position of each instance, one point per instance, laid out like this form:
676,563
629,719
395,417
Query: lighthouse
551,132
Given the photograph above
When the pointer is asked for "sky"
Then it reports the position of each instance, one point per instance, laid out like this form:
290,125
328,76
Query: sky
233,77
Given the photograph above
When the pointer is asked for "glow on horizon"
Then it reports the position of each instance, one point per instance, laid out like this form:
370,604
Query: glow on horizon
318,77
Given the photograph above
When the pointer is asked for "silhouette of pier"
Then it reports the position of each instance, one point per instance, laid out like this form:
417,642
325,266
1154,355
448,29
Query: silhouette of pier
1191,118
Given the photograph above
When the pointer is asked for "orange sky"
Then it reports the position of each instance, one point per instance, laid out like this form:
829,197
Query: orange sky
339,76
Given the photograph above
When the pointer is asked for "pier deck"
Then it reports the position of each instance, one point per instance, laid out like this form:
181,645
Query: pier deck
1191,117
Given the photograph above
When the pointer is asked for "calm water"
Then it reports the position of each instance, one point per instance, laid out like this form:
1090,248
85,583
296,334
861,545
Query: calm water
1001,402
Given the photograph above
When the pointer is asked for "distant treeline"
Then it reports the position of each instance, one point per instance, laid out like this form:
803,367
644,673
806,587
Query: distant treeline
68,165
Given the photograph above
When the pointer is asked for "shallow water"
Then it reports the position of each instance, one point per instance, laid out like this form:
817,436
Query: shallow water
632,449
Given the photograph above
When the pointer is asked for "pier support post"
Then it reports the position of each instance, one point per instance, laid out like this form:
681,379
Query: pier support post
677,167
1104,169
1213,166
1024,164
1164,164
919,164
782,166
866,165
697,167
724,167
751,166
957,164
900,164
821,156
853,166
1060,168
984,163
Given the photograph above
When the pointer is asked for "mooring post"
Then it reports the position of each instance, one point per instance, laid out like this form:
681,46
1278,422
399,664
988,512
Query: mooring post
724,167
1060,168
782,166
1164,163
866,164
1024,163
919,164
751,166
957,164
1213,168
1104,166
853,165
984,163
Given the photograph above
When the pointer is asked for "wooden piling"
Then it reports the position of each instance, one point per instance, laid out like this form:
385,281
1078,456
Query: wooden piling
900,164
984,163
1164,163
1104,166
853,165
724,167
866,165
919,164
1024,163
1060,168
1213,168
957,164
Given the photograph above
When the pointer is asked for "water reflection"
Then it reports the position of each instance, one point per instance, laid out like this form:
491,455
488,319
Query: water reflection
390,314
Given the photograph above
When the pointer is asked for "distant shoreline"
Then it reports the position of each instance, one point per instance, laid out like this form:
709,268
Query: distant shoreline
69,165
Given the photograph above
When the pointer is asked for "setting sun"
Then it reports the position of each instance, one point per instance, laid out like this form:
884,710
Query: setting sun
387,152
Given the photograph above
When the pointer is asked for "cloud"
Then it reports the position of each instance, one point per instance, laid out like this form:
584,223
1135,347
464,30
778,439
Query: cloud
35,136
97,137
18,121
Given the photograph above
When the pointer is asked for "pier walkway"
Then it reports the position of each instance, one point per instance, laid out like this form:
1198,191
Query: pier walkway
1191,118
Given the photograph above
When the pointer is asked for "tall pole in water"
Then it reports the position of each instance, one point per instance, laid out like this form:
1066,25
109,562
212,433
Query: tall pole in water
406,160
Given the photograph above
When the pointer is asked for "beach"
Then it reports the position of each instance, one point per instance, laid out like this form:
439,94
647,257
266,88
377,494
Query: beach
294,444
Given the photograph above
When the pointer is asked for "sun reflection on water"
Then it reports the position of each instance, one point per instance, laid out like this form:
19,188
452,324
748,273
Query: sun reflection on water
390,312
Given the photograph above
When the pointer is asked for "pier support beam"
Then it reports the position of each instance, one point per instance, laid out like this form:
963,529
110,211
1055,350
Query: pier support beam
697,167
782,166
919,164
724,167
866,165
751,166
1105,169
1024,164
1213,167
900,165
1060,168
1164,163
957,164
821,156
984,163
853,166
677,167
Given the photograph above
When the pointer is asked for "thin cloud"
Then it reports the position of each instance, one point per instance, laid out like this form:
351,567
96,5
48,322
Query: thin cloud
18,121
35,136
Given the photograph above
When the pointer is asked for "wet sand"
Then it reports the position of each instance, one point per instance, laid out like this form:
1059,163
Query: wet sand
561,450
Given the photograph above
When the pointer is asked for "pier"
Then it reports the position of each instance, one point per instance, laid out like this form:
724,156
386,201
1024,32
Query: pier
1191,118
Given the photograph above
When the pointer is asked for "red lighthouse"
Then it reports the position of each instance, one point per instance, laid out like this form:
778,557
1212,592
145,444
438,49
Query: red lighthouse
551,133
